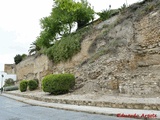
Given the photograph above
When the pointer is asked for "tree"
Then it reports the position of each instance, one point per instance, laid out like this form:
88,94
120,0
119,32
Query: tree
34,48
71,12
64,15
84,13
23,56
17,59
60,21
9,82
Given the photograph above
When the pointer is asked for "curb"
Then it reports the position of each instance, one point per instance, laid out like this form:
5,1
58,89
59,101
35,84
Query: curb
144,106
87,109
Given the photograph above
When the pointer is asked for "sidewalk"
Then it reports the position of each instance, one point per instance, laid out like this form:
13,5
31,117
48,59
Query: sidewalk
107,105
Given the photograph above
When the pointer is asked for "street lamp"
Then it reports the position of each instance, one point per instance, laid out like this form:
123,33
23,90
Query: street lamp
2,84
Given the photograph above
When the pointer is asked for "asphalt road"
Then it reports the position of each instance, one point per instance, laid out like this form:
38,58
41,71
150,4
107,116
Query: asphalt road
14,110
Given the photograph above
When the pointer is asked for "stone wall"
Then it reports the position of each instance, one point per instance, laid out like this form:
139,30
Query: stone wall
145,57
131,65
37,67
71,65
34,68
9,68
130,62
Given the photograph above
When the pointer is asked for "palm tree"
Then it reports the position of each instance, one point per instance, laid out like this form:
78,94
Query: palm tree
34,48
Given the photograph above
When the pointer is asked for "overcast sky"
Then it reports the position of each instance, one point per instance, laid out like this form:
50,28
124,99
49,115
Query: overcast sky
19,23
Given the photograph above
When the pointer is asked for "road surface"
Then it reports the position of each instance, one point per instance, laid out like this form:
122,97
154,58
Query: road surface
14,110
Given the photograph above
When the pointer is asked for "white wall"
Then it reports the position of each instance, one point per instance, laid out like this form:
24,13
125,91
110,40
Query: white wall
6,76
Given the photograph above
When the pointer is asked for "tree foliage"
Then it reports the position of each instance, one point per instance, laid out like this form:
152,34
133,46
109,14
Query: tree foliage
64,15
18,58
9,82
23,56
33,48
84,13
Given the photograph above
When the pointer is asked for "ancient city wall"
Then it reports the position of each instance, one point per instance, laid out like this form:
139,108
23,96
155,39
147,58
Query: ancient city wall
131,66
34,67
145,57
9,68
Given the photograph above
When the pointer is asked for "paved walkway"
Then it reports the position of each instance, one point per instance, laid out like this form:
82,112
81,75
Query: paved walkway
94,100
74,105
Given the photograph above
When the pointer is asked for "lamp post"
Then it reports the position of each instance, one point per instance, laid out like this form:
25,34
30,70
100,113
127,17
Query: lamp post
2,84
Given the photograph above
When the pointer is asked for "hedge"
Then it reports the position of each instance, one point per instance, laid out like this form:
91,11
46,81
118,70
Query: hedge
23,85
32,84
11,88
58,83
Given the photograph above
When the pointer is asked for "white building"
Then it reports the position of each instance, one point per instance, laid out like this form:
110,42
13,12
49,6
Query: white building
4,76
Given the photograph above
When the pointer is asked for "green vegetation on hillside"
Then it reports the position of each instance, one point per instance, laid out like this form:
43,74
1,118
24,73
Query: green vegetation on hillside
64,15
106,14
56,39
64,49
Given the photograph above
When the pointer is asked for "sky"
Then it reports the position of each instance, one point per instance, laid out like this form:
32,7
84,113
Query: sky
19,23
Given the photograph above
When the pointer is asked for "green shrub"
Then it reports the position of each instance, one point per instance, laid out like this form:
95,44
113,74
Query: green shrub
123,8
23,85
10,88
106,14
68,46
58,83
9,82
32,84
18,58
